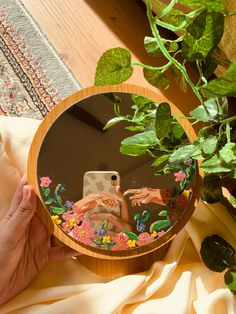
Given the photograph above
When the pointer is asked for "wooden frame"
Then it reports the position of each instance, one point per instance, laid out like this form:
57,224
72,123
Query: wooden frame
32,173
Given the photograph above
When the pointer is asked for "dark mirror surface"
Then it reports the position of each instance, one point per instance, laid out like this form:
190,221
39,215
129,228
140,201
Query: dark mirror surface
80,168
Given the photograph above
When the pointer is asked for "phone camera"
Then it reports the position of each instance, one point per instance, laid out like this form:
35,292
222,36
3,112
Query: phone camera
114,177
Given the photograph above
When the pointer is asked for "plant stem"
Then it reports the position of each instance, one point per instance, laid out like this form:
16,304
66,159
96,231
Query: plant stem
163,67
166,53
168,8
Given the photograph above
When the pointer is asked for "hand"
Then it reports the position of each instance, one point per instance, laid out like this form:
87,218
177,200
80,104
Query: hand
149,195
91,201
25,244
119,223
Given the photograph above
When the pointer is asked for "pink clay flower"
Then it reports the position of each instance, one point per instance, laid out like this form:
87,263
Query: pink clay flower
45,182
144,238
83,233
121,242
179,176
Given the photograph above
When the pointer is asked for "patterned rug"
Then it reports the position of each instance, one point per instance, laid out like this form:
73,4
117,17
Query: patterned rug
33,79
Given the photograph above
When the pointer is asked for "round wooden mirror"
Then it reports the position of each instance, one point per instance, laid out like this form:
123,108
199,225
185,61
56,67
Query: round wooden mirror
96,140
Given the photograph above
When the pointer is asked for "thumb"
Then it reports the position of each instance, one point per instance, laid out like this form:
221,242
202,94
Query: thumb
25,211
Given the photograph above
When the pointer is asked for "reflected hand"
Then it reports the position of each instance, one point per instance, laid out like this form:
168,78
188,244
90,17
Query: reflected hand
148,195
25,244
91,201
119,225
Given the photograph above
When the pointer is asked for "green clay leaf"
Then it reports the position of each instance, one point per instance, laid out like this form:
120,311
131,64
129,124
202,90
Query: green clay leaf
164,213
131,235
138,144
114,67
160,225
183,152
217,254
57,210
113,121
152,46
163,120
160,160
156,78
46,192
224,85
203,35
48,201
230,279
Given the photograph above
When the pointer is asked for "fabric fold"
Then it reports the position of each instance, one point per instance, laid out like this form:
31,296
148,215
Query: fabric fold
178,284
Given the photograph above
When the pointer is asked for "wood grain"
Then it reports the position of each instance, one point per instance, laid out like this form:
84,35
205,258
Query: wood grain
81,30
43,212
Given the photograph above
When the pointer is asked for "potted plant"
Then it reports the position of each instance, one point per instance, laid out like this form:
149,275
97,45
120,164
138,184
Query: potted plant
200,27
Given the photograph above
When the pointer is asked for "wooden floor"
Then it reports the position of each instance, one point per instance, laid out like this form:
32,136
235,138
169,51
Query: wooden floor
81,30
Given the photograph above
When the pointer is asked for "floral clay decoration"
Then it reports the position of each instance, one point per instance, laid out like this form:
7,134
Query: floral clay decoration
171,204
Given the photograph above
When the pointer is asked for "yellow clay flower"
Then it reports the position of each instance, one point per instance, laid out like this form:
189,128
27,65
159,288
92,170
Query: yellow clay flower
56,219
106,239
154,234
131,243
186,193
73,222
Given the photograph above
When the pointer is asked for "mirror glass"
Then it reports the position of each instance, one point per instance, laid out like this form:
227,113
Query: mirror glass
104,175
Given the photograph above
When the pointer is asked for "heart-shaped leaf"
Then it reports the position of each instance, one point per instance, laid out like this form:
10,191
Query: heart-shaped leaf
156,78
114,67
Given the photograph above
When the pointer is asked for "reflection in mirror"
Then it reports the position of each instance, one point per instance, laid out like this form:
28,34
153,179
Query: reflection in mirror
105,174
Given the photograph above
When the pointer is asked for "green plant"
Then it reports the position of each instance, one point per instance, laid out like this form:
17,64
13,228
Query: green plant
201,31
218,255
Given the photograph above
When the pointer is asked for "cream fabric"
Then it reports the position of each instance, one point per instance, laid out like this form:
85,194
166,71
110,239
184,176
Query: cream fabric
180,284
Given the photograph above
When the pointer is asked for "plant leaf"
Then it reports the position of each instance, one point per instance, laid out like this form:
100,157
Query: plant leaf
215,164
114,67
131,235
179,78
228,153
138,144
230,279
224,85
159,225
217,253
156,78
203,35
160,160
152,46
215,110
135,128
209,144
113,121
178,131
163,120
57,210
210,5
183,152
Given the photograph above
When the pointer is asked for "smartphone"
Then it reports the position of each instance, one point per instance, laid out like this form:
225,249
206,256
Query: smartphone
96,182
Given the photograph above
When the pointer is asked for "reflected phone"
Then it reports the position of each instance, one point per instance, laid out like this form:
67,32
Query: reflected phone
96,182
